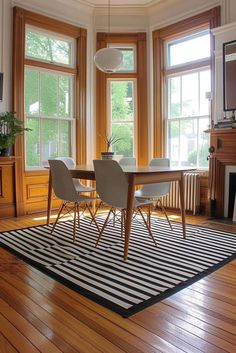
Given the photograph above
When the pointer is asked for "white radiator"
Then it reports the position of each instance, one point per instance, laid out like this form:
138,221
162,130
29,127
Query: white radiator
191,192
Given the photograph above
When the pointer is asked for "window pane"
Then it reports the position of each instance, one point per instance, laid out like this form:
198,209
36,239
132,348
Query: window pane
190,94
189,49
175,94
125,145
45,47
128,60
64,96
174,142
205,86
188,144
49,137
31,92
122,104
65,138
33,143
48,94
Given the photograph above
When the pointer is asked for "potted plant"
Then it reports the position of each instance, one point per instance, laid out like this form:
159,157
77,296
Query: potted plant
110,140
10,128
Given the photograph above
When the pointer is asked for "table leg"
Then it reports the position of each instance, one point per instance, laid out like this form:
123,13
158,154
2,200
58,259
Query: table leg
129,213
49,197
182,205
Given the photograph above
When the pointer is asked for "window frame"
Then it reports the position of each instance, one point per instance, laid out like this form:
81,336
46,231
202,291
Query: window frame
205,20
123,39
70,40
134,121
21,18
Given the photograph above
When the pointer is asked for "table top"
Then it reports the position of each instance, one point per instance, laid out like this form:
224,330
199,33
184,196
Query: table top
136,169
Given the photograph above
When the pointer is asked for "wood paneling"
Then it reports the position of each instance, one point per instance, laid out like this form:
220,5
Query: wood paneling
223,146
7,187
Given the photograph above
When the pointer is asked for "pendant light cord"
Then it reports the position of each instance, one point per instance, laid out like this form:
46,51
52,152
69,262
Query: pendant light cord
109,17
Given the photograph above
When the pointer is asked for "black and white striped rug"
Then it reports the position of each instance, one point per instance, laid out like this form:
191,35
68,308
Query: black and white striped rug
150,274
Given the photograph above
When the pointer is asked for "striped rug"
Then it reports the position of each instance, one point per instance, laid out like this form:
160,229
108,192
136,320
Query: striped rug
149,275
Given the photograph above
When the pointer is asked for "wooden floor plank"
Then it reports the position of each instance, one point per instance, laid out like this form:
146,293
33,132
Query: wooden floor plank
38,314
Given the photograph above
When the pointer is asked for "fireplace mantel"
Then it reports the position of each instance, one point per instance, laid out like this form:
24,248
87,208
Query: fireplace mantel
222,153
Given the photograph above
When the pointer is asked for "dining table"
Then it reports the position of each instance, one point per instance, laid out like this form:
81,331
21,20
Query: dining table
136,175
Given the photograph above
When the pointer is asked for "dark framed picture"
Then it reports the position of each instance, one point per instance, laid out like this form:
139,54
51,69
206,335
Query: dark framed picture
1,85
229,75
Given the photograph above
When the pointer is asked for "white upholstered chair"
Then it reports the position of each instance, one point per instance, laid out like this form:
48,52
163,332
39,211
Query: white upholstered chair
157,190
65,190
112,187
70,163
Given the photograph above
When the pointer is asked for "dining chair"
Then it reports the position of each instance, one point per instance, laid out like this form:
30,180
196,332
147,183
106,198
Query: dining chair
126,161
70,163
155,191
112,187
65,190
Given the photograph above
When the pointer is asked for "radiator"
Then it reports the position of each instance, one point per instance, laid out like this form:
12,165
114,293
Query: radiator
191,192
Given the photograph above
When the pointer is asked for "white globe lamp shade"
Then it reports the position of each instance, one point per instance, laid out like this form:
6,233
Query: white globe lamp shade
108,59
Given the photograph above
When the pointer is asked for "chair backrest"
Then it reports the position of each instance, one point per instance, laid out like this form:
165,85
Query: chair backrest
157,189
69,161
111,183
126,161
62,182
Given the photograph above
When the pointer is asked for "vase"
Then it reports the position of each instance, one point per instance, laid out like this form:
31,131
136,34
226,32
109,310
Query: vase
6,152
107,155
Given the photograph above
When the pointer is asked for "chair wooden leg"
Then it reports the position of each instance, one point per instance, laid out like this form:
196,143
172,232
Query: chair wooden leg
122,222
164,211
58,216
103,227
93,218
146,224
74,225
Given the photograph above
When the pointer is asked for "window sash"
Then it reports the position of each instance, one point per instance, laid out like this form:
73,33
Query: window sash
49,34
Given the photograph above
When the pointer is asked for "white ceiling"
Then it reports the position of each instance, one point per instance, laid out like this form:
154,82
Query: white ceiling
119,3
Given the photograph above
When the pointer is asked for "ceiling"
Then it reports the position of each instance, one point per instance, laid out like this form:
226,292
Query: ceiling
118,3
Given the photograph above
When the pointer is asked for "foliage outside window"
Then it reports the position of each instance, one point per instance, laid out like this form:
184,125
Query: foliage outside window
129,57
122,112
187,106
48,101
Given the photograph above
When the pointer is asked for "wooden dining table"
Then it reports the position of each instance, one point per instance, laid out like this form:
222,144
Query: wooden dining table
135,176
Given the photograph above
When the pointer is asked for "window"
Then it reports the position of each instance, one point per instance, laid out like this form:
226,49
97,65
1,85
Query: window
49,98
121,97
129,57
187,109
122,115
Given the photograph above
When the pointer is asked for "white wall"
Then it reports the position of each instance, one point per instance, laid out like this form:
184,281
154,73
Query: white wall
5,52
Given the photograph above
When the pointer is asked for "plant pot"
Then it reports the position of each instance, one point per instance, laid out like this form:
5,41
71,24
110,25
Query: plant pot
107,155
6,152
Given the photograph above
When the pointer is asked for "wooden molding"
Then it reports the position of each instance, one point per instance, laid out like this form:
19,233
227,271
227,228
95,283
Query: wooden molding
207,19
23,17
101,88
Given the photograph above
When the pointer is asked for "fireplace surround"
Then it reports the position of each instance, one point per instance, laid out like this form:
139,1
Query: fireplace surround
222,158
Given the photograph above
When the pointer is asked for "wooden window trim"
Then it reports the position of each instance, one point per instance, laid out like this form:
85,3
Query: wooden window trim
140,75
22,18
209,19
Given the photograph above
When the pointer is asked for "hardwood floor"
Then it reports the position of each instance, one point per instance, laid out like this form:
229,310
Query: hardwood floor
38,314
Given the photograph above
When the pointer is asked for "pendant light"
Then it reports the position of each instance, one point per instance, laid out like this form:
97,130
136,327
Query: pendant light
108,60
